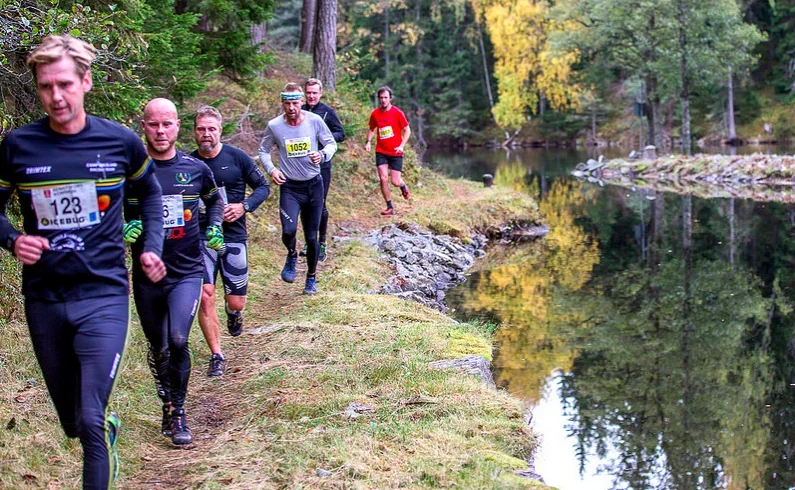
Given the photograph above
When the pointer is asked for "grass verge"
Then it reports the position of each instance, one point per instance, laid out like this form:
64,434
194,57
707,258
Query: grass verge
329,391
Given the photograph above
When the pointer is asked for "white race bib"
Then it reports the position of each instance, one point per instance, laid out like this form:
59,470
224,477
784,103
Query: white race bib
297,147
173,212
66,207
222,191
385,133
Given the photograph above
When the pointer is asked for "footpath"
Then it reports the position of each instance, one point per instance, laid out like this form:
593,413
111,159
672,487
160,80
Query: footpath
338,390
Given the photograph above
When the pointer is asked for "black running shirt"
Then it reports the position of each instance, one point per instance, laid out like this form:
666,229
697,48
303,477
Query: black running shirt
233,169
184,180
71,190
329,117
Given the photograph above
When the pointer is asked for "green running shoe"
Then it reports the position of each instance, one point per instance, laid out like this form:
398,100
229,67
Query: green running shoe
113,425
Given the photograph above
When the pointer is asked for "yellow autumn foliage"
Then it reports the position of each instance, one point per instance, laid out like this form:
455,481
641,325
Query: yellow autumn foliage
526,67
522,294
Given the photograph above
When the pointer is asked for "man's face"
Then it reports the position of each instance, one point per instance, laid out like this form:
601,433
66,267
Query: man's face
161,127
313,94
207,133
62,92
384,99
292,109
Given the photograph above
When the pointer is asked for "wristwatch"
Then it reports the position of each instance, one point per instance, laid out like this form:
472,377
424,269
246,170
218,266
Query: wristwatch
245,206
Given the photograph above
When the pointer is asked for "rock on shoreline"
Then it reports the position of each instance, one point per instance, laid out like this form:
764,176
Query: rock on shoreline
425,264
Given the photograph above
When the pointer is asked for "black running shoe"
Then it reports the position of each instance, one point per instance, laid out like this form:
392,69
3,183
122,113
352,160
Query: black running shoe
217,365
234,323
180,432
165,423
114,424
321,256
302,252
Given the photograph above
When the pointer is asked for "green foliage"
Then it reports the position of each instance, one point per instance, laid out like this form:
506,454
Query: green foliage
225,34
434,67
563,126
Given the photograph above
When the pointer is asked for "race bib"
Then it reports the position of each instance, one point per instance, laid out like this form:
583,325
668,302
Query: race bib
222,192
297,147
66,207
173,212
385,132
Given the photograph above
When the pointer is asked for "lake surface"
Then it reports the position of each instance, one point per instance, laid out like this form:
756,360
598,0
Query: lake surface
653,333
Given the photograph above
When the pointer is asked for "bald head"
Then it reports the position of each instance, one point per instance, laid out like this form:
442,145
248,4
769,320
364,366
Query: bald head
160,105
161,128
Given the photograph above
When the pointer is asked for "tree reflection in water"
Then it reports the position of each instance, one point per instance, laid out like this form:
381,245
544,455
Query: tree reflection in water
670,318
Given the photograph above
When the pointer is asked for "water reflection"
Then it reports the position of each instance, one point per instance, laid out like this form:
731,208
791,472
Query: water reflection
670,319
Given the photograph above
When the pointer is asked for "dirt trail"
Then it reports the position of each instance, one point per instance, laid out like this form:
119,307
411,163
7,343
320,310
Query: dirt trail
213,413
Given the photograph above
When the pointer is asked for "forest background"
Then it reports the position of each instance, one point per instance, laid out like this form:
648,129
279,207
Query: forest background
667,72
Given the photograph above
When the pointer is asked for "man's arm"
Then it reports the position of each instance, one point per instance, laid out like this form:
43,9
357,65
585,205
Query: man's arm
369,138
215,205
26,248
405,134
8,233
334,125
326,139
150,206
265,150
260,189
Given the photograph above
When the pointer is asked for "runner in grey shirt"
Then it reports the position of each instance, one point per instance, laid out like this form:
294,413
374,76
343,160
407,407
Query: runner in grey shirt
298,135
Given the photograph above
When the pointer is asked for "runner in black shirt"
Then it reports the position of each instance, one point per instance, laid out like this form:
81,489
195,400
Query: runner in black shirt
313,90
70,171
167,309
233,170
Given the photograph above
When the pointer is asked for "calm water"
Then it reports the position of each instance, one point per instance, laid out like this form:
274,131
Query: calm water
654,333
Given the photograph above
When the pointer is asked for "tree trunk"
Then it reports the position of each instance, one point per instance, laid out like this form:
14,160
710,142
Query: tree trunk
308,26
258,32
688,390
486,72
325,55
732,124
386,38
654,113
593,122
732,233
684,96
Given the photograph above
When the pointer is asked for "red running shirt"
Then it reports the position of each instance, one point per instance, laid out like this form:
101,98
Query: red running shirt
388,126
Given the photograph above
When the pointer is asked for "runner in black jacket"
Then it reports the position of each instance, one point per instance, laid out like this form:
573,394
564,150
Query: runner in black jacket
313,92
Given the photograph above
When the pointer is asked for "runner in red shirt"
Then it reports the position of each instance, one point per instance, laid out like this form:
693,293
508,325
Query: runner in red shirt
393,134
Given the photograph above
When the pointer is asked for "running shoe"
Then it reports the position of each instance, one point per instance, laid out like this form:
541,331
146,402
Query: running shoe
113,425
311,286
180,432
321,256
288,273
217,365
234,323
302,253
405,191
388,212
165,422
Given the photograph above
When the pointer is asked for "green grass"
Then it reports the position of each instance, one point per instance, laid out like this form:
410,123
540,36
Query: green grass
278,414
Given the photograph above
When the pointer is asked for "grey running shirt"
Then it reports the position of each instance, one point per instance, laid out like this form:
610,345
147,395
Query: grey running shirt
295,143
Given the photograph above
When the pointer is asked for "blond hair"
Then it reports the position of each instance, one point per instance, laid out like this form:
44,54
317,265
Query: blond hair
292,87
314,81
55,47
207,111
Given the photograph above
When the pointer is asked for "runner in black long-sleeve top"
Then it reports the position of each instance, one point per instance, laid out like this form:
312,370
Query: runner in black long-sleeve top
71,171
167,309
313,89
233,170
